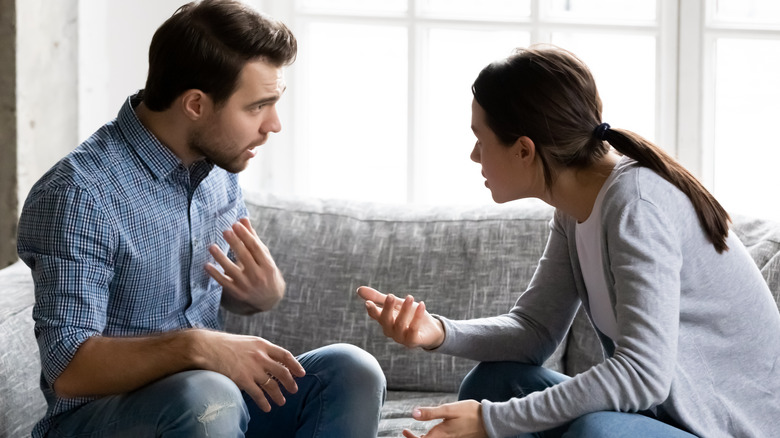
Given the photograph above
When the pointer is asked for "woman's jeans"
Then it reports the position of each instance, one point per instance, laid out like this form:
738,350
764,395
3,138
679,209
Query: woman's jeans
340,396
501,381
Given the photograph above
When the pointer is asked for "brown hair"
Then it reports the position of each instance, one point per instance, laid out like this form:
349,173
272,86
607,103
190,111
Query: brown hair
204,45
547,94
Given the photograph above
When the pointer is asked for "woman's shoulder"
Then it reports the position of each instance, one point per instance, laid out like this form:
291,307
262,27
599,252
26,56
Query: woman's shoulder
637,188
634,182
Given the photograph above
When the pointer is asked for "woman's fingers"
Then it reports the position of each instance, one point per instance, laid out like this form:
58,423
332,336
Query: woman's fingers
371,294
404,316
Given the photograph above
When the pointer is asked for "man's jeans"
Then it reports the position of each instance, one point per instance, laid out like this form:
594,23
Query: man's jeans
340,396
501,381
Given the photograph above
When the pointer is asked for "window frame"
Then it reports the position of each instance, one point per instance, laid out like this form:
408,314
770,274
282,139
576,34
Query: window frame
685,32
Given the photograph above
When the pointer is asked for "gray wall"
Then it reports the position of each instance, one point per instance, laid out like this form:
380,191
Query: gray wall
8,178
38,100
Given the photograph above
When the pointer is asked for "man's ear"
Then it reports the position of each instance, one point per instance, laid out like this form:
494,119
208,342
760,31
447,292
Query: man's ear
524,149
194,103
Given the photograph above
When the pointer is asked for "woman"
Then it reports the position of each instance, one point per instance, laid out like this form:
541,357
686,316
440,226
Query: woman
690,332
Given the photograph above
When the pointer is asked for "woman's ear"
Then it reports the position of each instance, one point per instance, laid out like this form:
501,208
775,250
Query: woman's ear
193,104
524,149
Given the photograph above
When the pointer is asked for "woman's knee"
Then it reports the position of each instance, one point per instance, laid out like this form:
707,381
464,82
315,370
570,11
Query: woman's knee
500,381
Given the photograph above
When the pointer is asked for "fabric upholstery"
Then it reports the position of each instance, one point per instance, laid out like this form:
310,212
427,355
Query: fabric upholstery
464,262
21,402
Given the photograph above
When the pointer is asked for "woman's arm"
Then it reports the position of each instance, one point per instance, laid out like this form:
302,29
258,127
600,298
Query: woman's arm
529,333
645,263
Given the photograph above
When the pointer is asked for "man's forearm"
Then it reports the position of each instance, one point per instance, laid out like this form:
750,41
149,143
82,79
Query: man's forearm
105,366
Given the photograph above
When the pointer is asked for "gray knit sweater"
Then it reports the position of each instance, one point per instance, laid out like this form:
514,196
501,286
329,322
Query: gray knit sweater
699,333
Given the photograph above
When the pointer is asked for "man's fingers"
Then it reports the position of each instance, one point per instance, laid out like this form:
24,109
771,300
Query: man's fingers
237,243
215,273
245,222
258,396
220,257
271,387
255,247
285,368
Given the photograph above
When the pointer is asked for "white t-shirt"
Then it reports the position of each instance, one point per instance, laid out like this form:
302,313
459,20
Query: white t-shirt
588,235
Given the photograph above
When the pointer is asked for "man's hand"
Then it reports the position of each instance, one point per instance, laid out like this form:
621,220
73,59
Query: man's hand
405,321
255,365
253,283
462,419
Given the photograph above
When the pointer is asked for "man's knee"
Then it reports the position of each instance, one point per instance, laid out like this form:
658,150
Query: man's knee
346,364
206,404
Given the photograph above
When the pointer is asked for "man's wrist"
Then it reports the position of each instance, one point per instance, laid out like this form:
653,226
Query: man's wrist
193,347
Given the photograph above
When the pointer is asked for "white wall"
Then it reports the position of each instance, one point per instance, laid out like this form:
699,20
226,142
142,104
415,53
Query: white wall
114,38
46,85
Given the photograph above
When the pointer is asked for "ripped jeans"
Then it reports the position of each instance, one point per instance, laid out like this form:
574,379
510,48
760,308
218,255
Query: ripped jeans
340,396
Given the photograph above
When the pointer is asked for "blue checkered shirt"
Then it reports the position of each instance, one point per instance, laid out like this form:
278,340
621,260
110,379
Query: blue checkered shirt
116,235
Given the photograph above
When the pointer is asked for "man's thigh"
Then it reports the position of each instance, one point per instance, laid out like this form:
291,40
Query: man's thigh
187,404
340,396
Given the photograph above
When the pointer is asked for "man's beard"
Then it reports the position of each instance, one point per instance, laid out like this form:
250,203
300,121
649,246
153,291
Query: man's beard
208,144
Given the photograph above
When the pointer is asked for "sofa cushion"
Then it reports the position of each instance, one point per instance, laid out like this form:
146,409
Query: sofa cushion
464,262
22,403
762,240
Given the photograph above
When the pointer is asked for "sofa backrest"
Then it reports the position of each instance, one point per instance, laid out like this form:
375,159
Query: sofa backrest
21,401
762,240
464,262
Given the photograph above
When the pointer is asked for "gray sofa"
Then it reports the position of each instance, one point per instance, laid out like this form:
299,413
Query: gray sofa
465,262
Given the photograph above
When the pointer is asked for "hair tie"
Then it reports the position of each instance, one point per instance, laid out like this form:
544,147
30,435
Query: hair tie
601,131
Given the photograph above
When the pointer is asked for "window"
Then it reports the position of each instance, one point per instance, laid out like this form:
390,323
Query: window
741,41
378,103
382,89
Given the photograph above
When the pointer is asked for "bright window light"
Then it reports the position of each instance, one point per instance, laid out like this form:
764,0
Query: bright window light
747,110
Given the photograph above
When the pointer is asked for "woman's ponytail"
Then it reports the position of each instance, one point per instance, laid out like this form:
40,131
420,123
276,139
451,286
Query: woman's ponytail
713,217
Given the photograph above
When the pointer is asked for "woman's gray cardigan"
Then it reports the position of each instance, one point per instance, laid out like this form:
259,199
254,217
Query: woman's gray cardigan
699,333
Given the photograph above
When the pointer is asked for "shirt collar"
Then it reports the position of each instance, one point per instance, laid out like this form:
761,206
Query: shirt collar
160,160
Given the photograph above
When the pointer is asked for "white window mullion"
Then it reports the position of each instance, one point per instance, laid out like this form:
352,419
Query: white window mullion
690,90
415,50
666,75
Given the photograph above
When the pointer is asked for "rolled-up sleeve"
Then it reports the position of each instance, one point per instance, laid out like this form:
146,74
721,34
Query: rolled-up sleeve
67,242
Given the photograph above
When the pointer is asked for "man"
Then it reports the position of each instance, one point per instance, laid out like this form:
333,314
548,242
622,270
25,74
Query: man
137,236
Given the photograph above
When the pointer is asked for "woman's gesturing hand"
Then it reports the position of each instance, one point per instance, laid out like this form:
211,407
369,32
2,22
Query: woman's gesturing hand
405,321
461,419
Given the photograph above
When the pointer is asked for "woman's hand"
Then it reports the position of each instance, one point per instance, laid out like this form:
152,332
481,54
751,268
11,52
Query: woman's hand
405,321
462,419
